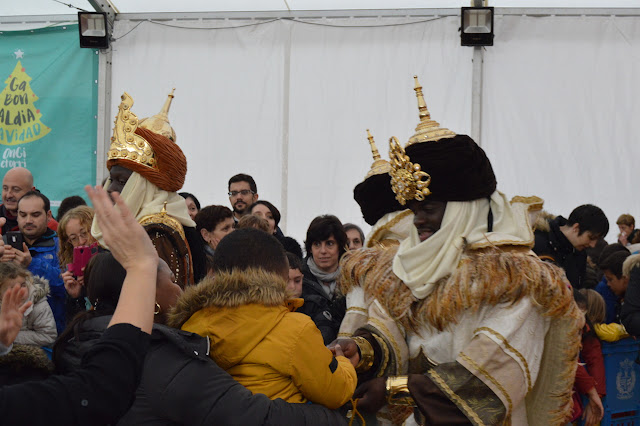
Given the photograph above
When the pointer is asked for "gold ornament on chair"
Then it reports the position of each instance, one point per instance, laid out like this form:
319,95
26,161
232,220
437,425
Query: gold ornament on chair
408,181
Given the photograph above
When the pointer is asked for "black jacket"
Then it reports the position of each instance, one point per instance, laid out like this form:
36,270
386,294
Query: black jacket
327,313
181,385
97,393
630,312
553,246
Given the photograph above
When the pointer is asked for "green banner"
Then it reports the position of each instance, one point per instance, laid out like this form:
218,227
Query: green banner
48,109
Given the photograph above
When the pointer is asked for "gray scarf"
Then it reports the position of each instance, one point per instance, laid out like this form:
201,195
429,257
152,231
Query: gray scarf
326,280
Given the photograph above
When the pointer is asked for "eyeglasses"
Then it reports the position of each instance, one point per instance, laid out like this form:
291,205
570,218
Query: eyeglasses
244,193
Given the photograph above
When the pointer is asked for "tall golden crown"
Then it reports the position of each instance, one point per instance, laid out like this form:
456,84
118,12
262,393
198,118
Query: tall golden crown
379,165
125,143
159,123
408,181
428,129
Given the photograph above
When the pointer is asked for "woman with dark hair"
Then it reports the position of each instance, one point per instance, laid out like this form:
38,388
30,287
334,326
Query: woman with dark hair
268,211
193,205
326,242
213,223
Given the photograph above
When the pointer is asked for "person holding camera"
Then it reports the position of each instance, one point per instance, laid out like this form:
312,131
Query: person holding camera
35,247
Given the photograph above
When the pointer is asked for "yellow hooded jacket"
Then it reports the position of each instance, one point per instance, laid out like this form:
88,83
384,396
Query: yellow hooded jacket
258,341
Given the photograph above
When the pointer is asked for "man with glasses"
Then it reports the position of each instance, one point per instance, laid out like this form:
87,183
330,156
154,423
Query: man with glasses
243,192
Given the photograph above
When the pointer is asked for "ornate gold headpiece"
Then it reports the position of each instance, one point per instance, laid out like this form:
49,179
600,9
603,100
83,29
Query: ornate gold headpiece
428,129
159,123
379,165
125,143
408,182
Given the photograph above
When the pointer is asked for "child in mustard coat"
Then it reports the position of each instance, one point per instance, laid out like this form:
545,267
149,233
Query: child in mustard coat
253,335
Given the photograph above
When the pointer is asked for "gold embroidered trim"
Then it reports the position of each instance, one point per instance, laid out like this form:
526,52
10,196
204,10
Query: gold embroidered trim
385,354
348,335
385,331
459,401
493,380
164,219
393,222
512,349
358,309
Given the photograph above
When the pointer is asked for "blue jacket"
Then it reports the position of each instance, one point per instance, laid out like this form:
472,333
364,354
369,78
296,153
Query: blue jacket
610,300
45,264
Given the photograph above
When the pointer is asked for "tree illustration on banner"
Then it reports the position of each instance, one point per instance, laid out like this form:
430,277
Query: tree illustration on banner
19,117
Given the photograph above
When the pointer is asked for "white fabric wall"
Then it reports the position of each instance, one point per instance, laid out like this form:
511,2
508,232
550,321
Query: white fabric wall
289,102
560,111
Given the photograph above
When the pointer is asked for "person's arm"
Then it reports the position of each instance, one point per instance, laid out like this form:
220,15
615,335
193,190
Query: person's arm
196,391
132,248
100,391
44,331
321,377
592,355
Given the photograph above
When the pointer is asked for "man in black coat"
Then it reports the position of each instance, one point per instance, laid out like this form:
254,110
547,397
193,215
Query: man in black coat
565,240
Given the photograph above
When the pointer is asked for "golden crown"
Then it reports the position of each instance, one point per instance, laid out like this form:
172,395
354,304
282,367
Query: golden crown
379,165
159,123
125,143
428,129
408,181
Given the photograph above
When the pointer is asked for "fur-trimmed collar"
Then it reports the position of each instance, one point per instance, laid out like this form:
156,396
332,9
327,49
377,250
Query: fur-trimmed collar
629,264
542,221
230,289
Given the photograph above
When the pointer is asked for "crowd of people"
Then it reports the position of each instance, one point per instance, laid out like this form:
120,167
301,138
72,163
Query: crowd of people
459,307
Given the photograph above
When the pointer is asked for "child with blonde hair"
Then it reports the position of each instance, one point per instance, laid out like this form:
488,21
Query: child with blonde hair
39,325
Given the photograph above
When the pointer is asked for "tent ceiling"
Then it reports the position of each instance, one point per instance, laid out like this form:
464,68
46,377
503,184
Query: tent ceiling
51,7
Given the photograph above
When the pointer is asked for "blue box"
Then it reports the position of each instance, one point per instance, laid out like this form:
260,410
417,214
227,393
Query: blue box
622,403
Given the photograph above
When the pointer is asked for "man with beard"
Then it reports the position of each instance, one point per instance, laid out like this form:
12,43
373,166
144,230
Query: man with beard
243,192
465,323
39,252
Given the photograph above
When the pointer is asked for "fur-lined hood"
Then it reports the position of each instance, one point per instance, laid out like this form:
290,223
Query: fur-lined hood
38,288
230,290
542,221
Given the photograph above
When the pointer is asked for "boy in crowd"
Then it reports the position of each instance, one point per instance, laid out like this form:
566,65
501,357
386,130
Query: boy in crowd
253,335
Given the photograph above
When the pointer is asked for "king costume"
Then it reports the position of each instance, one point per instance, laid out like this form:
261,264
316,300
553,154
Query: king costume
148,148
467,326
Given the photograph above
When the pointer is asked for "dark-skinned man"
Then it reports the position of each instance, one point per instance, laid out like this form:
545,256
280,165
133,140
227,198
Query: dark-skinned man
147,168
464,321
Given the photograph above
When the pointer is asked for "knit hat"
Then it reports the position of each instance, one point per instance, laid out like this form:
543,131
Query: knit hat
439,164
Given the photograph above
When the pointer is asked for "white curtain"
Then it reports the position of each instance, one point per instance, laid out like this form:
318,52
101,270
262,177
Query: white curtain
288,102
560,111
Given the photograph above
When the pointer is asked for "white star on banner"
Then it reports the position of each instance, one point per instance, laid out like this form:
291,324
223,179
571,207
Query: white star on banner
19,54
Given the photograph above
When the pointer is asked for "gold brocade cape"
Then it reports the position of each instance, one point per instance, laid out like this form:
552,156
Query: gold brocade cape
484,278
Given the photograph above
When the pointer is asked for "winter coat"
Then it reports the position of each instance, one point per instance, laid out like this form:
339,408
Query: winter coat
256,339
98,393
38,325
45,264
630,312
327,313
181,385
24,363
552,245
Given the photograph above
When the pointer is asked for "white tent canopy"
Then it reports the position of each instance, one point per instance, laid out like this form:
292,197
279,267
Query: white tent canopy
286,96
